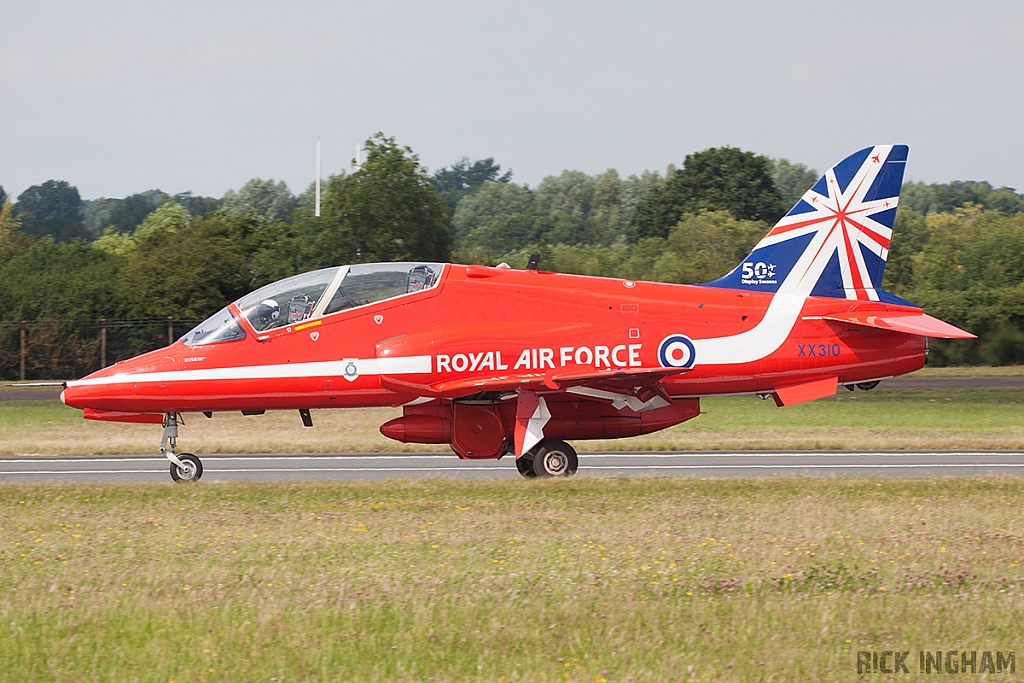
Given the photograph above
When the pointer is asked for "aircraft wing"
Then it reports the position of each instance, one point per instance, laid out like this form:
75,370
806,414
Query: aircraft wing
909,323
636,393
640,382
465,338
622,377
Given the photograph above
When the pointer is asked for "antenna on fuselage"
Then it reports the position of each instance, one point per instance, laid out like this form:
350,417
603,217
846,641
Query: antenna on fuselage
317,209
532,265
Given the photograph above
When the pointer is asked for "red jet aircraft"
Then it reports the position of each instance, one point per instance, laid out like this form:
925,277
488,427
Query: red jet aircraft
496,361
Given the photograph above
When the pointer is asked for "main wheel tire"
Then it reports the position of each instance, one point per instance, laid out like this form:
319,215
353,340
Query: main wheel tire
555,459
525,467
192,470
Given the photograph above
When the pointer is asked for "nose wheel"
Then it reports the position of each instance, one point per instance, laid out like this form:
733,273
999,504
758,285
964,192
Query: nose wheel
184,467
190,469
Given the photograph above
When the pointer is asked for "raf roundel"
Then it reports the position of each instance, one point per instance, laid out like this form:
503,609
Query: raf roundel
676,351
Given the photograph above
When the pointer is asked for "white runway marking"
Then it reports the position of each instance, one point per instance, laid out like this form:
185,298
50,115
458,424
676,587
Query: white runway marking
312,467
86,472
583,456
799,467
582,468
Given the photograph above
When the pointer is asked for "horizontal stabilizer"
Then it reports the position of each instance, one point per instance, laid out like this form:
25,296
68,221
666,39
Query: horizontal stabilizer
909,323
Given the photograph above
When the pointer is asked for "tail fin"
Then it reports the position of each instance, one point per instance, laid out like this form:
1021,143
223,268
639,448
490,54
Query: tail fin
835,241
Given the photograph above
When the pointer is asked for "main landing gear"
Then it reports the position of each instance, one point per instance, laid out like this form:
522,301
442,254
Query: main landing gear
184,467
550,458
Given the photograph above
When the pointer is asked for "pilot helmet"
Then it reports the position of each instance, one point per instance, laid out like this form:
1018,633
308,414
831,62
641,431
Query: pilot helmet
268,311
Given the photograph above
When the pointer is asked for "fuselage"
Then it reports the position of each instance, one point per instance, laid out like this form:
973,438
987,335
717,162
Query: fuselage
495,361
487,323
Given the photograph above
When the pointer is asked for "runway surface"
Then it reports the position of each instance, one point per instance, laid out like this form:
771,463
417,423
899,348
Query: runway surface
323,467
354,467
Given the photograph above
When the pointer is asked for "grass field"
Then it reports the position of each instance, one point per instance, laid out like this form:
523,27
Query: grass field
896,419
971,371
585,580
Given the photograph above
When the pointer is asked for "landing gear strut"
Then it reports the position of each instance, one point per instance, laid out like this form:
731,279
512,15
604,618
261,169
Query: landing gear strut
550,458
184,467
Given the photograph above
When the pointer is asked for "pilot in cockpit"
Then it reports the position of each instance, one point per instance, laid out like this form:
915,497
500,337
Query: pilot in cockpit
263,315
418,279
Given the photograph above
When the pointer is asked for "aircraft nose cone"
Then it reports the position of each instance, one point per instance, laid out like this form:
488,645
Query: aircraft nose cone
86,393
71,396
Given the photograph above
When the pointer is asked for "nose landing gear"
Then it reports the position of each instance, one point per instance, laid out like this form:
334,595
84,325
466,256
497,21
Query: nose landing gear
184,467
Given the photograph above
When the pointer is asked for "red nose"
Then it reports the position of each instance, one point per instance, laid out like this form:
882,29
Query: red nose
112,387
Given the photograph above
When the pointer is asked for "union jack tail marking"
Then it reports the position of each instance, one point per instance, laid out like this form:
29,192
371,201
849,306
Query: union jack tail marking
835,241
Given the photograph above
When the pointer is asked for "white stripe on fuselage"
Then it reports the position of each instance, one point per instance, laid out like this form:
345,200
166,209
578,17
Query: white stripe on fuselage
775,327
402,365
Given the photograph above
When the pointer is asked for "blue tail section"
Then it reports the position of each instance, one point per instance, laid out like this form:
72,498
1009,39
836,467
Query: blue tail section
835,241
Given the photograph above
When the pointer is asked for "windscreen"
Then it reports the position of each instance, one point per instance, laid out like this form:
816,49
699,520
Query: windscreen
219,327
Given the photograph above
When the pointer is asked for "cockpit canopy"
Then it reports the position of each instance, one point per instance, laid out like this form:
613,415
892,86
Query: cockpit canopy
316,294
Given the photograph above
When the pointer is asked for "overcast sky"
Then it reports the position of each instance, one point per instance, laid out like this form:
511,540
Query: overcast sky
120,97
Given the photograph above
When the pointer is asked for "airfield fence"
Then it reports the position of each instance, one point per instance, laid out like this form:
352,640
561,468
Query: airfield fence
56,348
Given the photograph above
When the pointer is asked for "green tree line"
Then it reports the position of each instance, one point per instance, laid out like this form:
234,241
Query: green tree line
65,263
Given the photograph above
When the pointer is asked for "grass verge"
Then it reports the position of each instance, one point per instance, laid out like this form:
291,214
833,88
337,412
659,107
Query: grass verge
890,419
585,580
970,371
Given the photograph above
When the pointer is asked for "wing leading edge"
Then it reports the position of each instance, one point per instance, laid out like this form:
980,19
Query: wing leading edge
614,380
